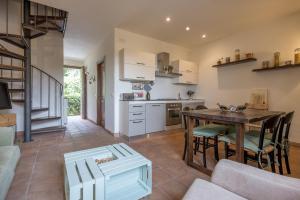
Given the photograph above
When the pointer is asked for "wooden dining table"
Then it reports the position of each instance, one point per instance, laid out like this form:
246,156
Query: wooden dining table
238,119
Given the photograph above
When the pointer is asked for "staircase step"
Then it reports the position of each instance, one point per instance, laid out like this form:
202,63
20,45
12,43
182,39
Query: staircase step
35,31
10,54
11,79
18,100
42,17
45,118
49,129
13,39
10,67
16,90
38,109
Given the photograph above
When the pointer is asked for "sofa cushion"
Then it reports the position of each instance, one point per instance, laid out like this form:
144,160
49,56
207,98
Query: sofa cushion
9,156
202,190
254,183
6,177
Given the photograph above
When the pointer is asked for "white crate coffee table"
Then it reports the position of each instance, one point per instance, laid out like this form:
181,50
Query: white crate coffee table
124,174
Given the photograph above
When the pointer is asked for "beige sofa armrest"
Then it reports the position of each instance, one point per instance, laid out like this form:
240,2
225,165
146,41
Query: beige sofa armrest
253,183
7,136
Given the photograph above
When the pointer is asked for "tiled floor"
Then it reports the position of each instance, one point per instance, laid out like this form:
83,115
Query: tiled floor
39,174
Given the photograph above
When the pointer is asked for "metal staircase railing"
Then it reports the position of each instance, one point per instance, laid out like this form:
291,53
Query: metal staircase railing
35,21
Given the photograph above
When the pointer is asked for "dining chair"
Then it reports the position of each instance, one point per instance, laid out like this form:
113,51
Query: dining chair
283,141
205,132
257,143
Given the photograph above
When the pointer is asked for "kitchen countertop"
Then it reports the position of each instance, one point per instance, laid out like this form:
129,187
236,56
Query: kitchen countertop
164,101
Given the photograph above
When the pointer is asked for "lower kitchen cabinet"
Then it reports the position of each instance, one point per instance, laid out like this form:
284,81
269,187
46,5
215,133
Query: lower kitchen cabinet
155,117
132,119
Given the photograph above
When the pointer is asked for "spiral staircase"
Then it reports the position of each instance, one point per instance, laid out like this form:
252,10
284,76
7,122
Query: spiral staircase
38,92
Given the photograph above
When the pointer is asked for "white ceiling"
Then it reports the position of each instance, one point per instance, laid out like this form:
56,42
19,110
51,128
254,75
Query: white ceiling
90,21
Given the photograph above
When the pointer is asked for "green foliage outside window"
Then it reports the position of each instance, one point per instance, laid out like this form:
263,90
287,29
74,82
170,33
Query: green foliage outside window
72,90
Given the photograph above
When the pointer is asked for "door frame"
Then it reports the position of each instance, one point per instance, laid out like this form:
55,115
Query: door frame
100,84
83,106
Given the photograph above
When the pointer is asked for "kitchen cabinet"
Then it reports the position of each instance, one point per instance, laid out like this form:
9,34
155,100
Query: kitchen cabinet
132,119
189,71
137,65
155,117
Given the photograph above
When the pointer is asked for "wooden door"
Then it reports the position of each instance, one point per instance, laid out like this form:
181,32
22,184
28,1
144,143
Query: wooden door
100,95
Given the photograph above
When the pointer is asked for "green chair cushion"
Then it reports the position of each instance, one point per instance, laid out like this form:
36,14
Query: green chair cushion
7,135
250,141
209,130
6,177
257,133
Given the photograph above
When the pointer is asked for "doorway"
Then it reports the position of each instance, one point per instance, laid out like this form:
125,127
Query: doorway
75,90
101,94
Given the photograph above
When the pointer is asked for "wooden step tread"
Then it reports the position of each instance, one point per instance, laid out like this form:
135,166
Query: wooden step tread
11,79
45,118
16,90
17,40
10,67
49,129
18,100
11,54
39,109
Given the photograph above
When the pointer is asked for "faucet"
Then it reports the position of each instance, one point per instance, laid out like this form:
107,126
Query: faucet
179,97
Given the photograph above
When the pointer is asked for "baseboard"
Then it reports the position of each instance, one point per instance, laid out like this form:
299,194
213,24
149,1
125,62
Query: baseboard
295,144
91,121
111,133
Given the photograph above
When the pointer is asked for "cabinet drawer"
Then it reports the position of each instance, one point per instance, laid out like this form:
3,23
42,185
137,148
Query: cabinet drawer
135,108
136,115
136,127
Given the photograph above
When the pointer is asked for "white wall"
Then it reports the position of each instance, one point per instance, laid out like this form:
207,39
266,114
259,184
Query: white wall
105,50
233,84
73,62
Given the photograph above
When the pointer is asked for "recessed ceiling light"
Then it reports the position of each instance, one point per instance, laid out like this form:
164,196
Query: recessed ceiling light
168,19
187,28
204,36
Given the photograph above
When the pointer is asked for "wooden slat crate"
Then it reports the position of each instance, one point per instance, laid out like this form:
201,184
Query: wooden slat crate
127,175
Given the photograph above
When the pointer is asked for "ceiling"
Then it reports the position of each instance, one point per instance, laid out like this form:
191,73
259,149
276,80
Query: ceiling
90,21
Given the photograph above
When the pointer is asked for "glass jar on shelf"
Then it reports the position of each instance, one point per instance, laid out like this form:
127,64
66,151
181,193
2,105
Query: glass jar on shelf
297,56
237,54
276,59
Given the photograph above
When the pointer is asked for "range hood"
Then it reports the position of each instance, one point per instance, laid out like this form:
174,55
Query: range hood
164,69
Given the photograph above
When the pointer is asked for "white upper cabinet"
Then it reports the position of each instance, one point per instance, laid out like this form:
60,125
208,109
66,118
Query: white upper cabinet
136,65
189,71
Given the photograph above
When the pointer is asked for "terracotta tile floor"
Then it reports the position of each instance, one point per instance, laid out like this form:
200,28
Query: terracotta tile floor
39,174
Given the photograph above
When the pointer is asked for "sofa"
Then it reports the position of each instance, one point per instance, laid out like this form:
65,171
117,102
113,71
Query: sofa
235,181
9,157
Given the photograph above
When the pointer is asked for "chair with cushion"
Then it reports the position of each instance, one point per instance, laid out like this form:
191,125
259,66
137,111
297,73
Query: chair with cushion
283,141
257,143
9,157
205,132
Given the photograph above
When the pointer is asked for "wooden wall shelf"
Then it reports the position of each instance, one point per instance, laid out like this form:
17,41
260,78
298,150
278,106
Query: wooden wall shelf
236,62
277,68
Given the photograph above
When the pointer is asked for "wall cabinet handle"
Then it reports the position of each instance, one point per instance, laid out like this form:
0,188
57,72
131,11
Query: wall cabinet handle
140,63
137,106
137,122
137,114
156,105
141,77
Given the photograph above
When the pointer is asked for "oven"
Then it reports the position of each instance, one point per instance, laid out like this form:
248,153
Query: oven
173,114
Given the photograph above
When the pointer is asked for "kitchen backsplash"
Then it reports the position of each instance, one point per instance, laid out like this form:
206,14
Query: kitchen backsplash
162,88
